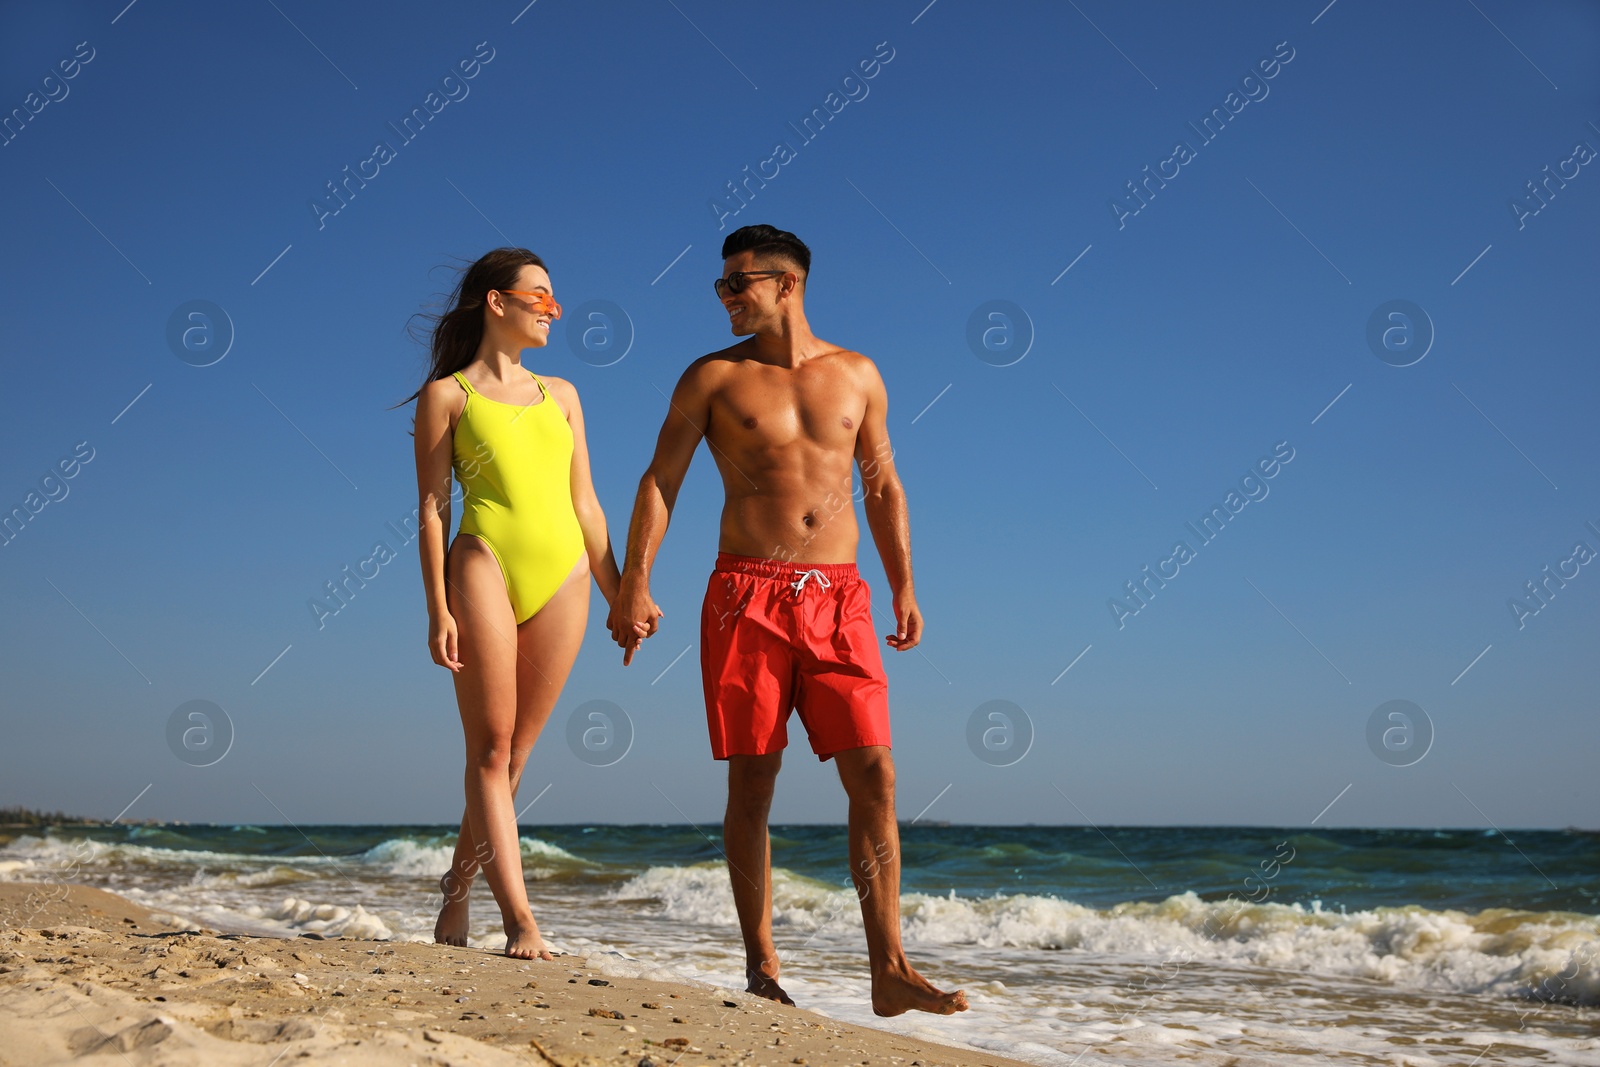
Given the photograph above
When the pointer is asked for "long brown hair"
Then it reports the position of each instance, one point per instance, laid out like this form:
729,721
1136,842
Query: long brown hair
456,333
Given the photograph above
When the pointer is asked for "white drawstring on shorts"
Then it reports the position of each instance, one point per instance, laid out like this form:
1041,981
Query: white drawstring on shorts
799,584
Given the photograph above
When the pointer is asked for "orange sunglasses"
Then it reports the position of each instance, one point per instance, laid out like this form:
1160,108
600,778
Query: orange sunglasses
542,302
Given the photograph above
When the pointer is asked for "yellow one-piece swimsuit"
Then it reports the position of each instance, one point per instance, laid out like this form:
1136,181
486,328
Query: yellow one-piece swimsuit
514,464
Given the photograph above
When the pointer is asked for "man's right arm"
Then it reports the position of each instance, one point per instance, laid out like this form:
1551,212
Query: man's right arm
688,416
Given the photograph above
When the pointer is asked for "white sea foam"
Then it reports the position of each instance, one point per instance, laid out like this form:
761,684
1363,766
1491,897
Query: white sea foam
430,857
702,894
614,964
277,874
28,858
1551,955
290,917
331,920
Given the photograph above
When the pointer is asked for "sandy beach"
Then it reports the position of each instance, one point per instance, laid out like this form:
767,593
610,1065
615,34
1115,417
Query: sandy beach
85,973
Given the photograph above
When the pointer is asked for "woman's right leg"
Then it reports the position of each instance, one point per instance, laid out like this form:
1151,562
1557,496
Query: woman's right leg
486,691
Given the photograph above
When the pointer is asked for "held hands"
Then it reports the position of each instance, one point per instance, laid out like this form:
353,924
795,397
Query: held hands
634,616
908,623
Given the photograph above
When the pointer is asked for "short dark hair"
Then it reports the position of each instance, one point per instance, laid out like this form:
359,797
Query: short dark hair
768,242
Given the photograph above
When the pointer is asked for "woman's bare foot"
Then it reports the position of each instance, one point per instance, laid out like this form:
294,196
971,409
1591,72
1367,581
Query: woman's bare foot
451,927
763,986
523,941
899,991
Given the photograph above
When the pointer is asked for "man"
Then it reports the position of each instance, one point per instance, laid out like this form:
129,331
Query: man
787,623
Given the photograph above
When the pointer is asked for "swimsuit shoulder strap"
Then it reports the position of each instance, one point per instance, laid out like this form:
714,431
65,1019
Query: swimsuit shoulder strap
542,387
461,380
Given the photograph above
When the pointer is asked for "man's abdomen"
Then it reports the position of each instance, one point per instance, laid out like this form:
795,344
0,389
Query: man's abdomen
791,527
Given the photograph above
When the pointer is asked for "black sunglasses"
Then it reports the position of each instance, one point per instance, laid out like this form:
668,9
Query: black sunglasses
738,281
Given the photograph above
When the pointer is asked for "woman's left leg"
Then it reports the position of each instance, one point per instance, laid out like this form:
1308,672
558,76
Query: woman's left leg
547,646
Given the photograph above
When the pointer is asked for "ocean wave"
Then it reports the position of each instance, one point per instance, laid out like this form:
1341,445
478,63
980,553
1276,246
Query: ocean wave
701,893
430,856
277,874
31,858
1543,955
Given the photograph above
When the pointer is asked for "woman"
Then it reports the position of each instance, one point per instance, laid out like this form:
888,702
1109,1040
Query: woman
508,605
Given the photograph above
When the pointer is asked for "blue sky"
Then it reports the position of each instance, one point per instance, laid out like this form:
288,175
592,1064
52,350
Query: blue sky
1378,162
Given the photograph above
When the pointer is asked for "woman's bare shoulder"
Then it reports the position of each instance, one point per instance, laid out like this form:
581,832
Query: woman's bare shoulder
444,390
562,390
442,395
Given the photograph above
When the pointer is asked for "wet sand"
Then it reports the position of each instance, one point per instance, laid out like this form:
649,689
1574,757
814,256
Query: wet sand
86,973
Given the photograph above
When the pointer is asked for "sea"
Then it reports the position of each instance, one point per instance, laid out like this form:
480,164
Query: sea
1075,945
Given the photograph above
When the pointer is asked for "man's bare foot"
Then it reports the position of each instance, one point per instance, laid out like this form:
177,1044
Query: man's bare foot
895,993
762,986
451,927
523,941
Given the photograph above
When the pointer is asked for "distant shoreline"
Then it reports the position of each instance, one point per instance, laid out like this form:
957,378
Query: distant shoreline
19,818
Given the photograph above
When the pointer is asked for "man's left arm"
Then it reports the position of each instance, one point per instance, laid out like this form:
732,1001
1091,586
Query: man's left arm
885,502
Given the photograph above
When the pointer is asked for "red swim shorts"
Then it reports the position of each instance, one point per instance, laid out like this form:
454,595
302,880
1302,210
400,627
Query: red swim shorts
776,637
